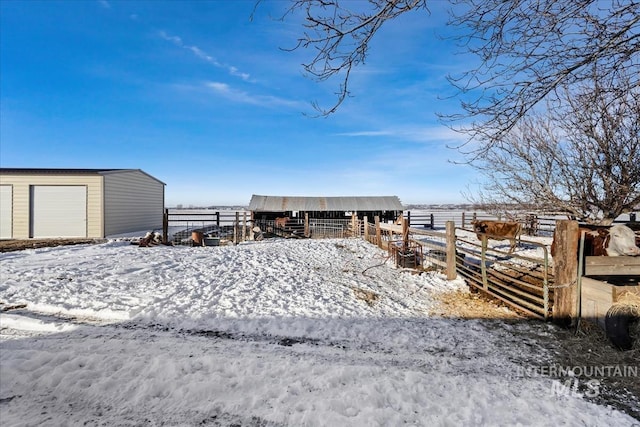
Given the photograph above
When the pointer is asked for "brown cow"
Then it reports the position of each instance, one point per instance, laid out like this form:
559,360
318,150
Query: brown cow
498,230
281,222
618,240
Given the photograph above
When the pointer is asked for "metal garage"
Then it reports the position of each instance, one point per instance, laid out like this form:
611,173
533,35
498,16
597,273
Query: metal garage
93,203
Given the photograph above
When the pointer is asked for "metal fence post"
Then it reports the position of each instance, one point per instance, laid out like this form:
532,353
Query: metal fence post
165,226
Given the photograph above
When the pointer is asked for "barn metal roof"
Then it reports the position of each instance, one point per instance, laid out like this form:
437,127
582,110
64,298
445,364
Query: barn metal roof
316,204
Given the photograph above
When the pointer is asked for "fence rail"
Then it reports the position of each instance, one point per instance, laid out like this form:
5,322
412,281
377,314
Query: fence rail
235,225
534,223
194,228
189,228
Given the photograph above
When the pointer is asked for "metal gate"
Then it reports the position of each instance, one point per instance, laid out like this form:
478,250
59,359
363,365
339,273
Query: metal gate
523,282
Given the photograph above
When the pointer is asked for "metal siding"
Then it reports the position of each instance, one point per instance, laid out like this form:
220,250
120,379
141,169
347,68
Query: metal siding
288,203
59,211
22,183
133,201
6,211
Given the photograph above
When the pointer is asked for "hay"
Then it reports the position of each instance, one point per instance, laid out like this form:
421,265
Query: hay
467,305
369,297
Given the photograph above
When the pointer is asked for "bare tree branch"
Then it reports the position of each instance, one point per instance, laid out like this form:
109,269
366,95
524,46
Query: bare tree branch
530,48
340,37
582,158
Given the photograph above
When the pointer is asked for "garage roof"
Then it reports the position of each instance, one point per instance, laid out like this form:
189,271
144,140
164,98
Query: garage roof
316,204
62,171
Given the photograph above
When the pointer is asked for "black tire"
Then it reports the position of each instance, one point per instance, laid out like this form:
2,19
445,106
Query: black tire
617,322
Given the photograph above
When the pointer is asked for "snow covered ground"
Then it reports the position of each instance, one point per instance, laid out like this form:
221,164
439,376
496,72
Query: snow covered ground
285,332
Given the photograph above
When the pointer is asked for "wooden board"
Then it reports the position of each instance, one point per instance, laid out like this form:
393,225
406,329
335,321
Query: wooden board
612,266
598,296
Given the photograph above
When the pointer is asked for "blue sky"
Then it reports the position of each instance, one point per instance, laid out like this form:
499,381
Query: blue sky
204,99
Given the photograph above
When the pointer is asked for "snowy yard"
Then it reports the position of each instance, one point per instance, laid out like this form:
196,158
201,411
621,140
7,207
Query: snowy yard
269,333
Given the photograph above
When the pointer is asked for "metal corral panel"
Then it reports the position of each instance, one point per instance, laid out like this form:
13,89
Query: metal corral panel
320,204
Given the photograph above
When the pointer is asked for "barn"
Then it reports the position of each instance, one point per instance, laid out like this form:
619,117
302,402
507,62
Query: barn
388,208
91,203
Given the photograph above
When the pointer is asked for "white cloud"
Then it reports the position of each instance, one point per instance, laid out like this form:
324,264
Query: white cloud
105,4
413,133
367,133
204,55
173,39
234,72
243,97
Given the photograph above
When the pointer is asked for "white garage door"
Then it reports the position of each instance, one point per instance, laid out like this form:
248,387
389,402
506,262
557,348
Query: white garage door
6,211
59,211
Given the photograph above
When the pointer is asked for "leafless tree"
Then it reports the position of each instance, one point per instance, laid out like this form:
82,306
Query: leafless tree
527,49
580,157
579,60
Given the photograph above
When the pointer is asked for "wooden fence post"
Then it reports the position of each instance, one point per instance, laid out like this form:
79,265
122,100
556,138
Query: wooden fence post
462,219
405,234
409,218
432,222
354,223
483,262
565,261
378,232
244,225
306,224
366,228
451,250
236,231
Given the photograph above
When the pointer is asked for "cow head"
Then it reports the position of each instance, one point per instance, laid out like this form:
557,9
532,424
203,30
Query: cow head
622,241
479,226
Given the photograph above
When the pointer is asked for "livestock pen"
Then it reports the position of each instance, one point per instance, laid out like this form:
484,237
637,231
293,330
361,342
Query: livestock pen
524,280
